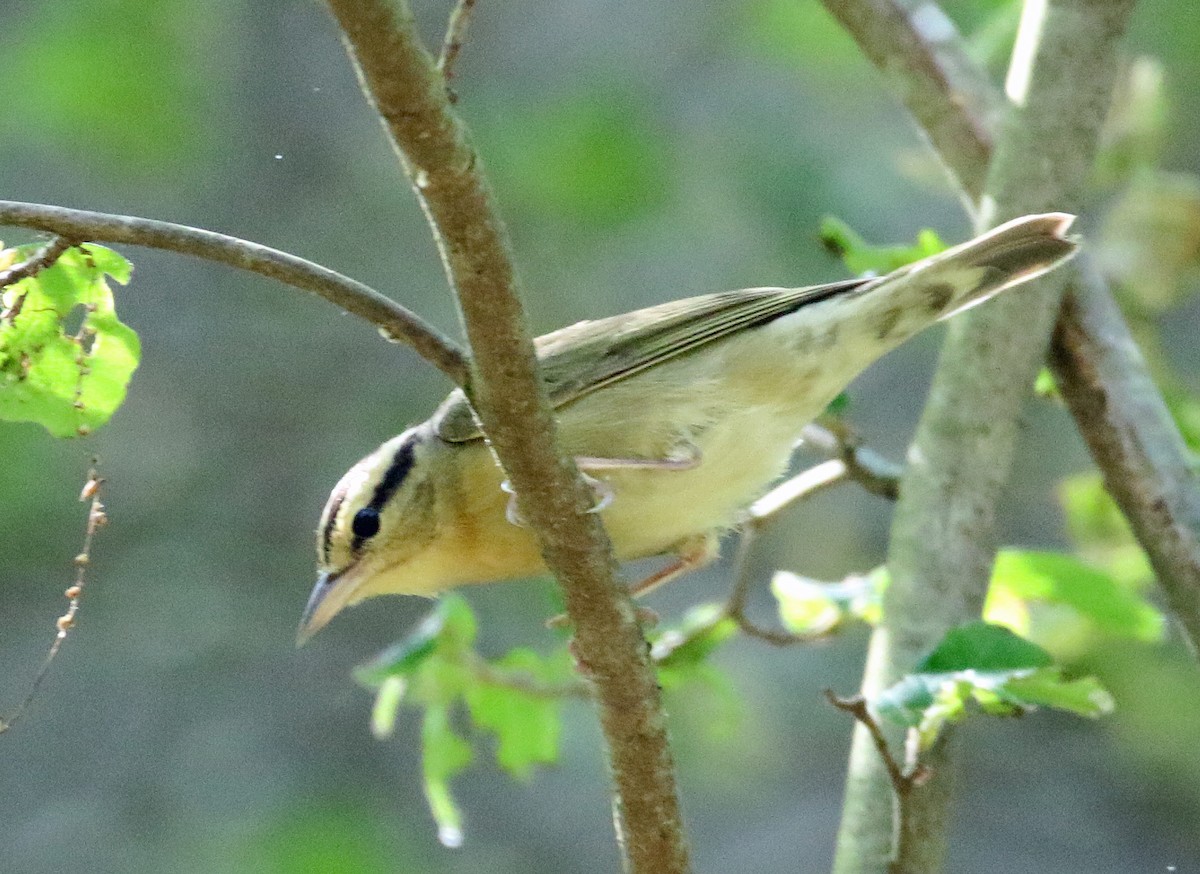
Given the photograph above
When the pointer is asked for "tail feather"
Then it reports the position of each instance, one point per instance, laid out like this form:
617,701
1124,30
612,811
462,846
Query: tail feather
898,305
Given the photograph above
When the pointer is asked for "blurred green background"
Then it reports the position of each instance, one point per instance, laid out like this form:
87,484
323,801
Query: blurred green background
642,152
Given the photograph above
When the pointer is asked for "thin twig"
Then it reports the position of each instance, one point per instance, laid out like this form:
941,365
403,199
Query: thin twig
96,520
526,683
456,34
761,513
875,473
432,143
395,322
903,781
37,262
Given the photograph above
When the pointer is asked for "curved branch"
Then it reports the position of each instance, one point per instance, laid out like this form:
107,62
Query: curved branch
402,81
396,322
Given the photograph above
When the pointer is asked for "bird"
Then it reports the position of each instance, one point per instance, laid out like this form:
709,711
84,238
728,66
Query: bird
679,415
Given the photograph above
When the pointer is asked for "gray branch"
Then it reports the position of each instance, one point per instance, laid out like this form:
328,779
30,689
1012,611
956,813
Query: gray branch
944,532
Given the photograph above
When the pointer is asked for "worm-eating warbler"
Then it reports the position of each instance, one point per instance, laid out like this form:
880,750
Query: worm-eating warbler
684,413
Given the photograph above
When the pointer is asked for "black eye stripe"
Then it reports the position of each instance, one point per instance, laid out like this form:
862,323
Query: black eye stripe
393,477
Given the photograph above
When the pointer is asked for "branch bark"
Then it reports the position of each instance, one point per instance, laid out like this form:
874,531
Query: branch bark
401,80
1134,440
396,322
943,535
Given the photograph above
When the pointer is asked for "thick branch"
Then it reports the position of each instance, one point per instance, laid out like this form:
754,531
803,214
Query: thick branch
1135,442
393,320
944,532
402,81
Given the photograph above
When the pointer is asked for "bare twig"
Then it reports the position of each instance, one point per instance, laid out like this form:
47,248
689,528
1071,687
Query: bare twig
405,86
95,521
761,513
36,263
525,683
903,780
394,321
1133,437
456,34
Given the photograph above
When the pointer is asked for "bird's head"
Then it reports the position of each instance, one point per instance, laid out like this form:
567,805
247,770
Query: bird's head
379,518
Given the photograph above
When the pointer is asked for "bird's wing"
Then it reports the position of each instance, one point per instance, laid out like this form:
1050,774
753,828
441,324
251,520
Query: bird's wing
589,355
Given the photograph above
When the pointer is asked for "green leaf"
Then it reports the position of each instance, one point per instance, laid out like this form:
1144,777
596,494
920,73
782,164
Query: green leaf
861,257
450,625
70,384
810,607
527,725
984,647
1058,578
701,632
445,754
991,668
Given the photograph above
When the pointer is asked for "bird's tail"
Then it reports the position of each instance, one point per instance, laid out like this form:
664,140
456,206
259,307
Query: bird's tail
965,275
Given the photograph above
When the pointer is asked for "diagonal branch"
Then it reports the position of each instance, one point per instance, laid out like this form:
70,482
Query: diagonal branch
403,83
394,321
921,54
1101,374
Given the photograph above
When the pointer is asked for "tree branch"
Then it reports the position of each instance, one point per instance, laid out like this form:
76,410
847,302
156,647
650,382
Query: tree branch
402,81
1133,439
944,534
396,322
1146,465
921,54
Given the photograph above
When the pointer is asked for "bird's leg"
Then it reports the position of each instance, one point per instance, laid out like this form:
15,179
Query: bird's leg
686,457
690,555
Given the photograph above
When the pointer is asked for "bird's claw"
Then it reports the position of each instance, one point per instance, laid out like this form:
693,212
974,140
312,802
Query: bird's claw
604,493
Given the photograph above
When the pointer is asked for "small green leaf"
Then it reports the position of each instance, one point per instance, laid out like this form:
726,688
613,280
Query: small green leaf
838,405
1047,688
387,706
982,646
1058,578
701,632
861,257
70,384
992,668
527,725
810,607
1045,385
445,754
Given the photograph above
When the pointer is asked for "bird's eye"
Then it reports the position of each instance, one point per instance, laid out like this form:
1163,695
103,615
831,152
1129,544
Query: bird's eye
365,523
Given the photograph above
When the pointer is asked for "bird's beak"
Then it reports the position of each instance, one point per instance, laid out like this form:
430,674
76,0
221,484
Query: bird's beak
332,592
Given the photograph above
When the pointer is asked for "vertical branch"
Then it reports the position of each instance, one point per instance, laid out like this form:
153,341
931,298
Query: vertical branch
406,88
1100,372
944,534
